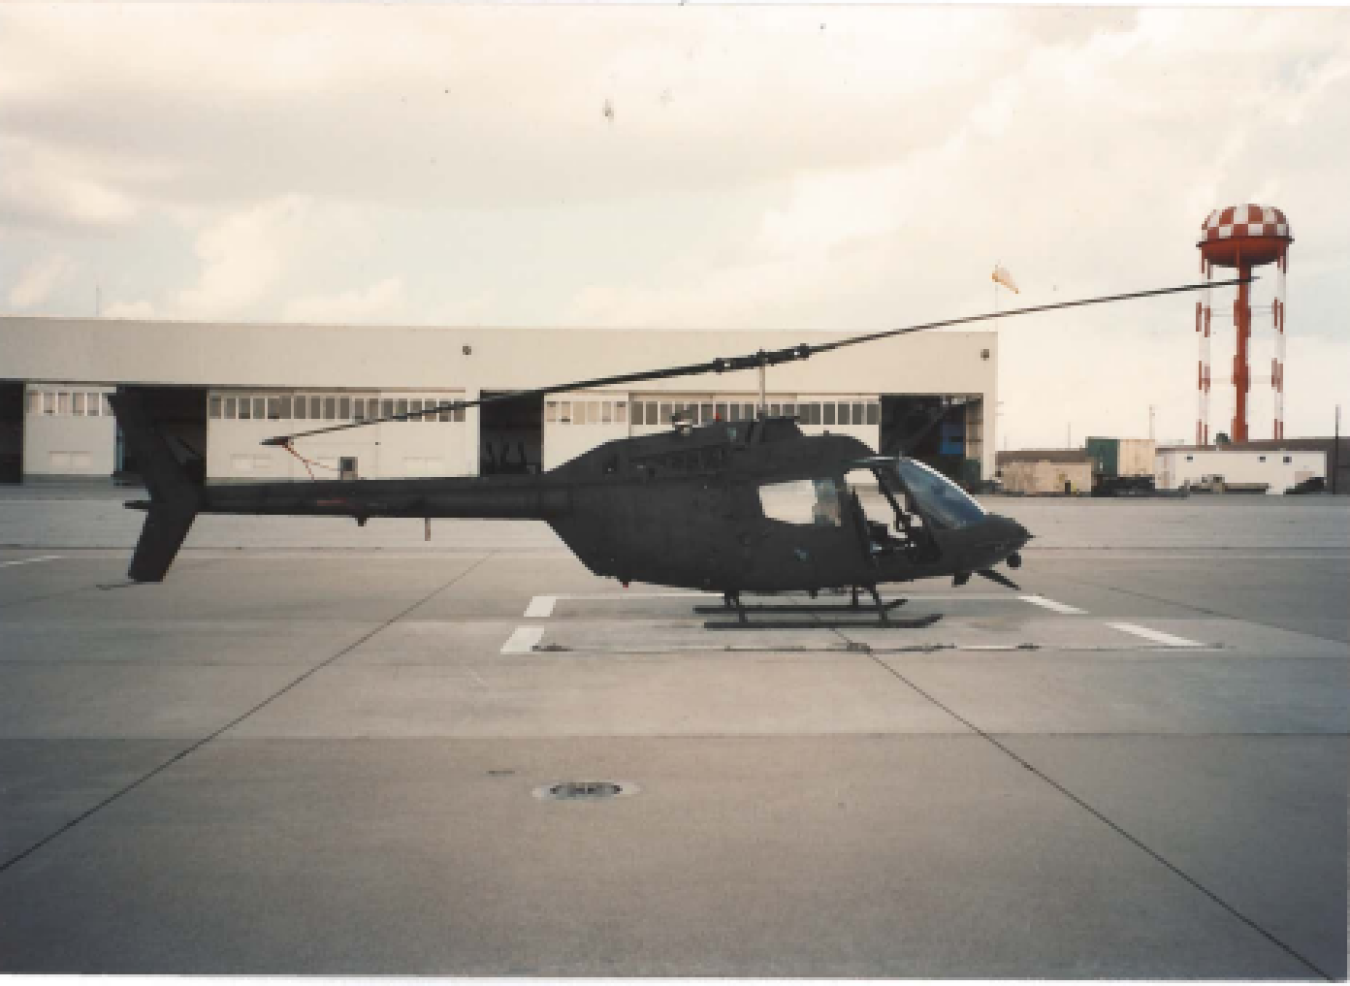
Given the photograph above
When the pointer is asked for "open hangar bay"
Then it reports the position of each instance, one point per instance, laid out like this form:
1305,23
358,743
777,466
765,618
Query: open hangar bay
318,749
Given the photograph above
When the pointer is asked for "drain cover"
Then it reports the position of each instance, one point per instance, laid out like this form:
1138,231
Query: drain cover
585,790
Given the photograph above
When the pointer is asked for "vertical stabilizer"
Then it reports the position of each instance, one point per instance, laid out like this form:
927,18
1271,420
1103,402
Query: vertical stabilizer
174,497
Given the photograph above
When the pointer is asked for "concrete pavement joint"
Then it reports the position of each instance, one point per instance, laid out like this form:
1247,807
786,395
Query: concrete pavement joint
1201,609
1115,827
188,751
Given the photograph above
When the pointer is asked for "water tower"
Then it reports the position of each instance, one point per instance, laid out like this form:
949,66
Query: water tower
1243,237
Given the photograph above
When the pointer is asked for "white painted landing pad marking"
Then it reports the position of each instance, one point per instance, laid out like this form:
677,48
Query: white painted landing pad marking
1157,636
29,561
1052,605
523,640
541,607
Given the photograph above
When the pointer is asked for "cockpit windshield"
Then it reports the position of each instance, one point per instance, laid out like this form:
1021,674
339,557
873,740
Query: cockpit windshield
939,499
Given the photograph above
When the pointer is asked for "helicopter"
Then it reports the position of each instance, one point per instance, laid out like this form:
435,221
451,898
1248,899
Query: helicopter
730,507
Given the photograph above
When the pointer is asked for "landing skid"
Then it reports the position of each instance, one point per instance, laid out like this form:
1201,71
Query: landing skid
808,608
732,601
915,624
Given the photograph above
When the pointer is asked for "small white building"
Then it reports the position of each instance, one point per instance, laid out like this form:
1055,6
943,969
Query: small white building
1278,468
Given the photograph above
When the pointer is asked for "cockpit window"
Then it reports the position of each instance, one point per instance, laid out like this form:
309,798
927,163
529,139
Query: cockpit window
945,503
803,501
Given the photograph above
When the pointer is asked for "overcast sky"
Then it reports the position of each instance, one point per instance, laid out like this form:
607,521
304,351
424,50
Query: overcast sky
745,167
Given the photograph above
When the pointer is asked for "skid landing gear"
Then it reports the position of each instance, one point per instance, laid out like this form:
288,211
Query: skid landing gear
882,609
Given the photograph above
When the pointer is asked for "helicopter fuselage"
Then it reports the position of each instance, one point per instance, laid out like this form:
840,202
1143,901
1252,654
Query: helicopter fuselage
729,507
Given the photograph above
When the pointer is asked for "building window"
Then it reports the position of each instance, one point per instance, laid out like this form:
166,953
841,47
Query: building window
1288,459
214,407
301,407
829,414
77,403
874,414
637,413
329,408
260,408
62,402
344,409
1190,458
107,406
621,412
606,412
245,409
1260,458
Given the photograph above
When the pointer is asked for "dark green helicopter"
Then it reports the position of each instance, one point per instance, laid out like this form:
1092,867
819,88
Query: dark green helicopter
730,507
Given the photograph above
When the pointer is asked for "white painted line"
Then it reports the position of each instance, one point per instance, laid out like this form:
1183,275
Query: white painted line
1051,604
523,640
541,607
28,561
1157,636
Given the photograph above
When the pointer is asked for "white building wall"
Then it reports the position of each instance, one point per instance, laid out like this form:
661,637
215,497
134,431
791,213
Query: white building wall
1281,469
578,422
413,359
391,450
60,435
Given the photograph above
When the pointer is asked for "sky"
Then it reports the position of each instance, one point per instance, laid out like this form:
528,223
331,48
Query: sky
752,167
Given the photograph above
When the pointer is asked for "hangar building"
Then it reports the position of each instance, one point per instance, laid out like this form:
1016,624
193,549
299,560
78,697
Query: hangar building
223,387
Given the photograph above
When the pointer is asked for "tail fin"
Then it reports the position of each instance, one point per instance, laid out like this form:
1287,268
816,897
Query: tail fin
174,497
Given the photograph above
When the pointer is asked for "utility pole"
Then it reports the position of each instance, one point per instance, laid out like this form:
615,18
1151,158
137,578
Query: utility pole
1336,450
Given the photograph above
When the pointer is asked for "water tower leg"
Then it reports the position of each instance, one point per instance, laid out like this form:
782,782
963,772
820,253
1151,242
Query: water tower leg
1242,315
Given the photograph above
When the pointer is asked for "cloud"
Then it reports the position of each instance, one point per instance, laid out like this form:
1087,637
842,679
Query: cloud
243,255
43,186
37,281
379,302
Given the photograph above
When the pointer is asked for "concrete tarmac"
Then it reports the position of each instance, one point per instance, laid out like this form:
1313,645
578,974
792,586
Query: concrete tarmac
322,753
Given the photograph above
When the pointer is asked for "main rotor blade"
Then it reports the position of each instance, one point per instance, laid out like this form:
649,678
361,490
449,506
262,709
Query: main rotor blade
750,361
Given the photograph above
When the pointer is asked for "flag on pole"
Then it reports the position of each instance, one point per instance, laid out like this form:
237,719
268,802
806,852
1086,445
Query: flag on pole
1001,276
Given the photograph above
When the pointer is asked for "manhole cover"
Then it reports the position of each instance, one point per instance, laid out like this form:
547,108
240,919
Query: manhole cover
585,790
